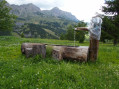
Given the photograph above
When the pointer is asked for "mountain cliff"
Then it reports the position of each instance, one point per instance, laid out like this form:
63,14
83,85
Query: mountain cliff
56,12
26,10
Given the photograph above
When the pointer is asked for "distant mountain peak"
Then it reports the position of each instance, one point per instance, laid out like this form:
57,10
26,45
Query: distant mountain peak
62,14
28,10
55,8
30,4
24,10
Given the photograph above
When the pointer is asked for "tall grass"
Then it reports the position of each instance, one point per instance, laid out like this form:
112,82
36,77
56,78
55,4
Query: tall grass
19,72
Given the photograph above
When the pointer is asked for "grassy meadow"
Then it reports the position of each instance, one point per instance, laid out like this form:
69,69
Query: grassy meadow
19,72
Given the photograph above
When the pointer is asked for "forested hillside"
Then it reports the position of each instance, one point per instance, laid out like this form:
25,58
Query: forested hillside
34,22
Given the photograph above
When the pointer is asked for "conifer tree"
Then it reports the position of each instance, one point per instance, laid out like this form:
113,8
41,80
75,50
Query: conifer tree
6,19
111,20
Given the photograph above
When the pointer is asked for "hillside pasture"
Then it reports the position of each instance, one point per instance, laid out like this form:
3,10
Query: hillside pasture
19,72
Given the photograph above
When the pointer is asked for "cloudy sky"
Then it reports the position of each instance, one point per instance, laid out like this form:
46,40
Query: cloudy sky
82,9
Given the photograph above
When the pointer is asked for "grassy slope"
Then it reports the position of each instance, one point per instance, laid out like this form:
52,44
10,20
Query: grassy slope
51,32
17,72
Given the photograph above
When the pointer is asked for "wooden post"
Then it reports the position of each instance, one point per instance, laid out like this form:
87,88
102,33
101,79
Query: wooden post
93,47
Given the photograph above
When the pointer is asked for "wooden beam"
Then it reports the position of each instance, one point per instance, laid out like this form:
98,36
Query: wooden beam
81,28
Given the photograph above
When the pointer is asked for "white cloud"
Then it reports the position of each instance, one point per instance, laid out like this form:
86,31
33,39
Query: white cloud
45,4
82,9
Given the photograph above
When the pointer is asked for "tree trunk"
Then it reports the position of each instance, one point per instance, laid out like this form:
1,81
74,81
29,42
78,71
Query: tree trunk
115,42
93,49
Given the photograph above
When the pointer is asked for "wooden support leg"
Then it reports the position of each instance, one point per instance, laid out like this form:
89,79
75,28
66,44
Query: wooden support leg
57,54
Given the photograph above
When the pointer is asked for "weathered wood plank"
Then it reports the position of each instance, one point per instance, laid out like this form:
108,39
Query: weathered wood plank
70,53
76,53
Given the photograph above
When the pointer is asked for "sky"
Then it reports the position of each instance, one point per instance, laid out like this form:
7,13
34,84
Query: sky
82,9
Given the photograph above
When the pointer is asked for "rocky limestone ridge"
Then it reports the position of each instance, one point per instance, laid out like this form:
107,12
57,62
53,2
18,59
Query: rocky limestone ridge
30,9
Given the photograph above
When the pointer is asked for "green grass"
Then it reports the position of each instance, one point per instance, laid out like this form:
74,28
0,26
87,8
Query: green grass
51,32
18,72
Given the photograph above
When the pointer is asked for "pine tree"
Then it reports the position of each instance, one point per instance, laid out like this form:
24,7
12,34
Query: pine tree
70,33
111,22
80,35
6,19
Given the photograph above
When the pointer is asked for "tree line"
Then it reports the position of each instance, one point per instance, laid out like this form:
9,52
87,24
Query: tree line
75,35
110,25
6,19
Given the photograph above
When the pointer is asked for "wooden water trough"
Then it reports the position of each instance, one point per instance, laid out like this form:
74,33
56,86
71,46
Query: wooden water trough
70,53
33,49
59,52
81,53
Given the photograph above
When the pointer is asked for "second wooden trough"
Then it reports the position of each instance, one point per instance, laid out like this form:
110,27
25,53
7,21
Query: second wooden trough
71,53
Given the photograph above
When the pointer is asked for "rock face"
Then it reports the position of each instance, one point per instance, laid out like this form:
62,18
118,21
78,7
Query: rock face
56,12
33,49
24,10
30,10
70,53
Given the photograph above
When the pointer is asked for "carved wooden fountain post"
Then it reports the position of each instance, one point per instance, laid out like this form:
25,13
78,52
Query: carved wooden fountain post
93,47
95,32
